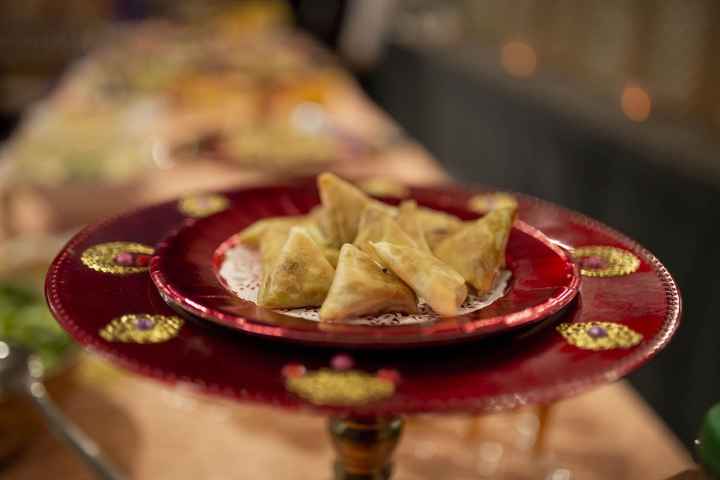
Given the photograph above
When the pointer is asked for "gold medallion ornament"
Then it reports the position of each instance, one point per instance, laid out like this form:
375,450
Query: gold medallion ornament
118,258
602,261
340,388
142,328
599,335
198,206
485,202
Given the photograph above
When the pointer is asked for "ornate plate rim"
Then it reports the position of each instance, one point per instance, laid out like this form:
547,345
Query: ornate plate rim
365,336
532,395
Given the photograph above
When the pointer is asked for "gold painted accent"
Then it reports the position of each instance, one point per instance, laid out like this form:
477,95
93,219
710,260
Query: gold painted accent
384,187
101,257
619,262
198,206
484,202
618,335
330,387
365,447
126,329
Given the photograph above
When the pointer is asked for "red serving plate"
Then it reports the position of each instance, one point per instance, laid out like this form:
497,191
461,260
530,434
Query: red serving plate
185,266
522,367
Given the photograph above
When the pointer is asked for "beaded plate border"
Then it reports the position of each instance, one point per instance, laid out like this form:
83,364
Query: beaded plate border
546,394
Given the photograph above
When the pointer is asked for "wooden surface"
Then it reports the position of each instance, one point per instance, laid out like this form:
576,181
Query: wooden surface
156,432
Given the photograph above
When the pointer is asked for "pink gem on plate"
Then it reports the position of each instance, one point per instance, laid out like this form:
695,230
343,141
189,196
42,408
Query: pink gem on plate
124,258
597,331
144,322
593,262
342,361
129,259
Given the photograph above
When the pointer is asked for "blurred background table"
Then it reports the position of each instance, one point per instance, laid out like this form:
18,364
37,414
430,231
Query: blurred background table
155,431
158,432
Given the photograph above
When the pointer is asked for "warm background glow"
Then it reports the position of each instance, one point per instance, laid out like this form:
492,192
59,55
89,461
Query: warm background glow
635,103
518,59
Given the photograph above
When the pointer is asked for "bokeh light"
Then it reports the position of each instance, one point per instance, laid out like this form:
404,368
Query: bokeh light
518,59
636,103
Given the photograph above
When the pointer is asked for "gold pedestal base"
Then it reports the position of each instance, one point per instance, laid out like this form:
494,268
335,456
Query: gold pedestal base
364,446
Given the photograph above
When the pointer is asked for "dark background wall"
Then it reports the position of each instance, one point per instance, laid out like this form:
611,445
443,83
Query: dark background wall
483,133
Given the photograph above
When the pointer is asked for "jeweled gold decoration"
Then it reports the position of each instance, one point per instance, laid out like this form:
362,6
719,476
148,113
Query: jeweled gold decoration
199,206
385,187
118,258
599,335
603,261
484,202
142,328
340,388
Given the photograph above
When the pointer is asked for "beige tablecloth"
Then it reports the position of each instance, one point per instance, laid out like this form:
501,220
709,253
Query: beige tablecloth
155,432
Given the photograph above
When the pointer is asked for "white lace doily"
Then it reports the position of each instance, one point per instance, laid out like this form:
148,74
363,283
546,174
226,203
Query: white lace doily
241,270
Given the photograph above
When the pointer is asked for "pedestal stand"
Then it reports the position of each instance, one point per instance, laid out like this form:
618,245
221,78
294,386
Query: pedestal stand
364,446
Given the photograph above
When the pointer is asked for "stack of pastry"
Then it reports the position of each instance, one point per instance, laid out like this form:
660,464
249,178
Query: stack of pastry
354,255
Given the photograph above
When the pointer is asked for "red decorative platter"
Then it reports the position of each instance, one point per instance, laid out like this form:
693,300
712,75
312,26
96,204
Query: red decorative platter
186,267
627,309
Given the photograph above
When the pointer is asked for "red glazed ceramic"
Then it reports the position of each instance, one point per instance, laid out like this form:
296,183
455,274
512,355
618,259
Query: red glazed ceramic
185,270
627,309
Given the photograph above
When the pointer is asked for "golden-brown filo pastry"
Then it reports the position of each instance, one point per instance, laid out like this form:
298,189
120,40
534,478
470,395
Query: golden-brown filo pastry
296,274
409,220
435,282
500,222
273,239
343,204
252,235
331,255
477,250
276,229
362,287
437,225
377,225
487,202
312,223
